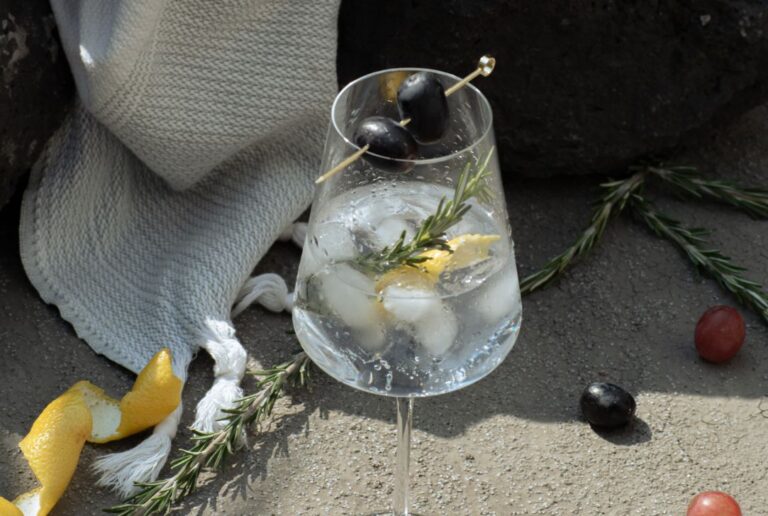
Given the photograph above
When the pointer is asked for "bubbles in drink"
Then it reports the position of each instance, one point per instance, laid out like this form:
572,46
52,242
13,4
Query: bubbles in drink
405,332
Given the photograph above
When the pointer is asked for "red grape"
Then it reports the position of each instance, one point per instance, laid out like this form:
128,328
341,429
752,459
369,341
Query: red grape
713,503
719,334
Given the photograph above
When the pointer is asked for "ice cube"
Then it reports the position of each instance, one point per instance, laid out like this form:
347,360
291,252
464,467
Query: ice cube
349,294
437,330
388,231
380,206
333,242
474,222
372,338
500,298
409,304
425,316
309,263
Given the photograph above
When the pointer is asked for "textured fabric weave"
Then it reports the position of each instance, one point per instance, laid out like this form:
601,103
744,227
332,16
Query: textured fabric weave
195,142
135,265
186,84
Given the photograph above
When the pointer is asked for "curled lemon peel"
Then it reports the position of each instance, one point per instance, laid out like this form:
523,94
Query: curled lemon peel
86,413
53,445
155,394
466,250
406,276
7,508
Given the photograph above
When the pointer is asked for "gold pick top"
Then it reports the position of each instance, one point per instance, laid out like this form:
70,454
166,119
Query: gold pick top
485,66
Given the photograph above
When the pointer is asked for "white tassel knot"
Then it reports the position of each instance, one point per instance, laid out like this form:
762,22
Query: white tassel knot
295,232
142,463
229,368
269,290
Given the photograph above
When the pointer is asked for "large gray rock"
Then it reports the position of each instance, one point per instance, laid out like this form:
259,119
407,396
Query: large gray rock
580,87
35,86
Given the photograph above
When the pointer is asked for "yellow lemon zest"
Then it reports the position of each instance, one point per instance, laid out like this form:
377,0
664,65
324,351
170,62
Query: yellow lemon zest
53,445
156,393
405,276
466,250
86,413
389,83
8,509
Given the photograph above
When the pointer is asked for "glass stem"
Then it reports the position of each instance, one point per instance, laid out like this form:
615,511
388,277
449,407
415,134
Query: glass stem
404,423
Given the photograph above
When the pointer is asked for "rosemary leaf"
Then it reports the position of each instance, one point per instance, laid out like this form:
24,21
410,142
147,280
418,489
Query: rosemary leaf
211,450
753,201
692,242
431,233
613,201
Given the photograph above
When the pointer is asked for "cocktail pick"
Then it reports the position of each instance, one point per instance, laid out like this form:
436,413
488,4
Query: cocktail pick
485,66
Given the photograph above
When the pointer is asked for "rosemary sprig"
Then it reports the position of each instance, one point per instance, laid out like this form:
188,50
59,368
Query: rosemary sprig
210,450
692,242
684,179
612,202
431,233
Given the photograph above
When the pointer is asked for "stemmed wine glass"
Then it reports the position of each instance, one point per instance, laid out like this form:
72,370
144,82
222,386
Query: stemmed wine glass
407,285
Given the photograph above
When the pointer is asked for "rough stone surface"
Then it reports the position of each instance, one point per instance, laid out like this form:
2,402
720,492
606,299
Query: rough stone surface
35,86
580,87
512,444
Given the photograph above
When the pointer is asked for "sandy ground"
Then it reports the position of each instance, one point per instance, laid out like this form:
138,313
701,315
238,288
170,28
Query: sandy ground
511,444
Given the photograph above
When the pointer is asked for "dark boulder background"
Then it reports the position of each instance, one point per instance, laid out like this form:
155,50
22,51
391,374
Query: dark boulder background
580,86
35,86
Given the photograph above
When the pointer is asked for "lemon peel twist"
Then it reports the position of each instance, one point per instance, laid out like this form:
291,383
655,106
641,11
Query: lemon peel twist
85,413
464,251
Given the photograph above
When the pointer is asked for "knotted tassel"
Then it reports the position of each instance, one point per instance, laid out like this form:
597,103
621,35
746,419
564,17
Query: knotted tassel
295,232
269,290
142,463
229,368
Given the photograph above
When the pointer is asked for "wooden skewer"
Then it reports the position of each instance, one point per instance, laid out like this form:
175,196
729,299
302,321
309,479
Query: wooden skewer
485,67
344,164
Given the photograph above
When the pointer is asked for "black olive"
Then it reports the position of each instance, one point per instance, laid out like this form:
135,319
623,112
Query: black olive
606,405
421,98
386,138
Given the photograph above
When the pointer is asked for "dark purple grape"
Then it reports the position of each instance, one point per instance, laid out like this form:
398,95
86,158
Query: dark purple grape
386,138
421,98
606,405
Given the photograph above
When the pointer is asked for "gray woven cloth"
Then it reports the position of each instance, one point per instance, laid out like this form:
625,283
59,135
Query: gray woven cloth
195,142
